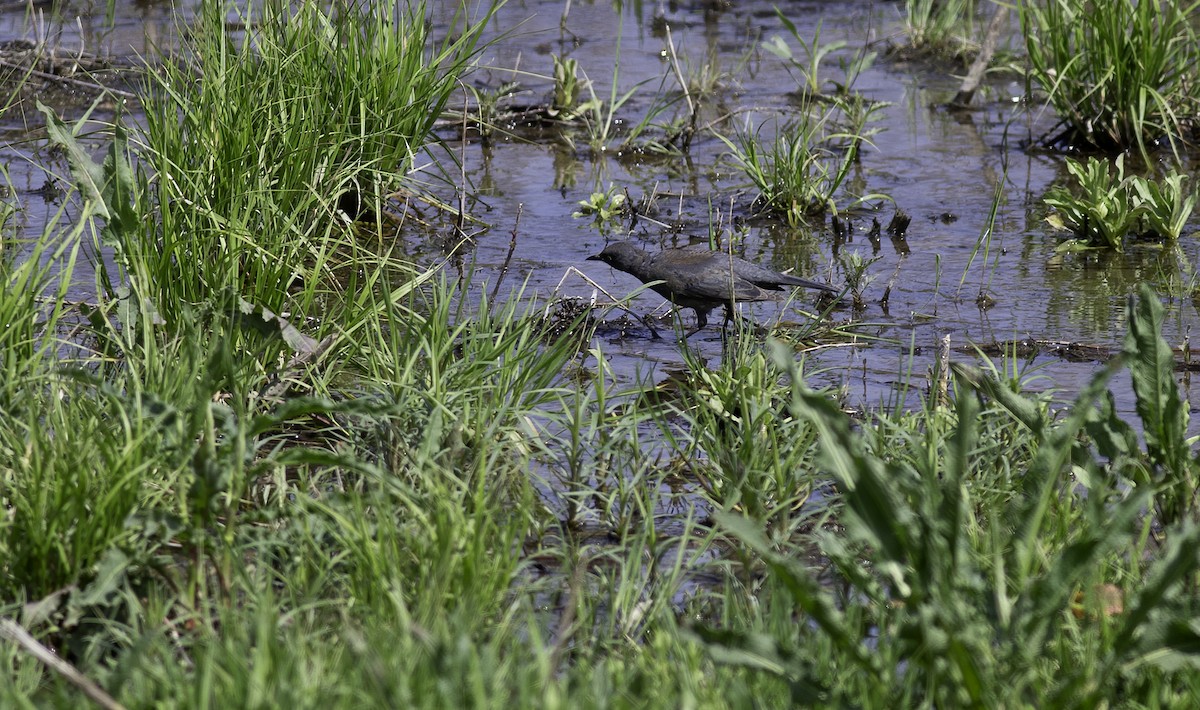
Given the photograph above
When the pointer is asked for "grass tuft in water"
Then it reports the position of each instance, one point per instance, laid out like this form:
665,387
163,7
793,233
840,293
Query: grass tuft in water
799,171
1120,74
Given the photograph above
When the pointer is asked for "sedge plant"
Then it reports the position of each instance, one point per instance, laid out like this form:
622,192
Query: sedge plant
1119,74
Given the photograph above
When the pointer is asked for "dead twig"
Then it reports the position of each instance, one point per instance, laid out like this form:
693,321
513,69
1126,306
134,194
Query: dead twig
966,91
14,632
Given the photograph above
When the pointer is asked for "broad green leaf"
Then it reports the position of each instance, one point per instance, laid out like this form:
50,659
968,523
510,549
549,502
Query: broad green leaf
88,174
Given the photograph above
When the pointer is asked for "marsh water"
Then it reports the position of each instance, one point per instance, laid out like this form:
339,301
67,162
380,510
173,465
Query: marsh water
949,275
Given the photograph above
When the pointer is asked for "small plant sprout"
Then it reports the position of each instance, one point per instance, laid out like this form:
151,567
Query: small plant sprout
854,268
808,68
605,209
487,106
568,89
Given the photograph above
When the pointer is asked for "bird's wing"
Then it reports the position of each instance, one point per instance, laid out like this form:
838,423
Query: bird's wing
771,279
704,274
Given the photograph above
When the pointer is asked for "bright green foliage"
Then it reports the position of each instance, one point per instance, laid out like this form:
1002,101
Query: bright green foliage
1163,206
605,208
1102,213
988,556
568,94
939,26
793,176
1105,208
1121,73
251,142
1173,469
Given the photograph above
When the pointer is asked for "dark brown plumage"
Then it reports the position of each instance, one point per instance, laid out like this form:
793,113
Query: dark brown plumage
700,279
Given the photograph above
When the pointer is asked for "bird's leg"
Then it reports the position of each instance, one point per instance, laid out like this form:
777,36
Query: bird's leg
701,321
732,316
649,323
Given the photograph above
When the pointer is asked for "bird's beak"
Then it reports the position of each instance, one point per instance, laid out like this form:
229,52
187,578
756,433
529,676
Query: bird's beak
595,257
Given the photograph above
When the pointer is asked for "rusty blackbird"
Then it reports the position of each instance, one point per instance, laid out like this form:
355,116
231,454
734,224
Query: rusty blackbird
700,279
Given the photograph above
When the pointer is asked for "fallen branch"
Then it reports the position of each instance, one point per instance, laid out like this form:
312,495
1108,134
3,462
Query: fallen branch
14,632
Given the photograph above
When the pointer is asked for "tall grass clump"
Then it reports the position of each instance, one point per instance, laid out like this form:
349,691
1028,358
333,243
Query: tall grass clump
1120,74
251,141
939,27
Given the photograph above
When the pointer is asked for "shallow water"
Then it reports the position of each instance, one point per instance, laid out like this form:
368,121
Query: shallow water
941,168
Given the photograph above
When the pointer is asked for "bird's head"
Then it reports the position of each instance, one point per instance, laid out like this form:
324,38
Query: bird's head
620,255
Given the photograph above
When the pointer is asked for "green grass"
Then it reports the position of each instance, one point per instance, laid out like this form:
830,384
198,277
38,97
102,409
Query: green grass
940,28
375,488
1120,75
799,165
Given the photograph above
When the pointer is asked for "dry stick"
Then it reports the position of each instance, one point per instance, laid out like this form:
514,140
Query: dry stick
967,91
512,247
687,95
460,220
13,631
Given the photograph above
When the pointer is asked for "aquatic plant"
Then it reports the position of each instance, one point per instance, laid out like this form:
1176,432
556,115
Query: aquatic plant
791,174
801,169
940,27
605,208
487,114
1120,74
1163,206
855,268
808,68
601,122
568,100
1102,212
7,209
1105,206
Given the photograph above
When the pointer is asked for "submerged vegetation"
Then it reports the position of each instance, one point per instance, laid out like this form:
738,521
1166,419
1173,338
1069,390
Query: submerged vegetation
271,462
